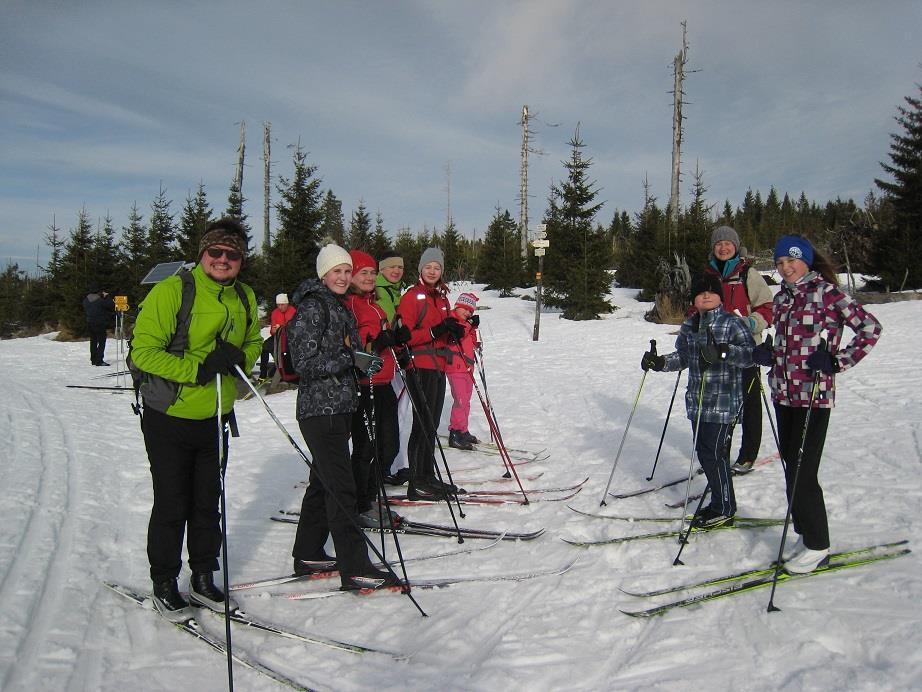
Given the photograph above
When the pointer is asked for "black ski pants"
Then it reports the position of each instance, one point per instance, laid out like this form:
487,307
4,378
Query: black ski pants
268,350
328,507
97,343
427,390
711,446
809,508
371,460
752,415
184,463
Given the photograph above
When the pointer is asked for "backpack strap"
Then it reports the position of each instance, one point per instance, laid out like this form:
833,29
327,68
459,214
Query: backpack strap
180,339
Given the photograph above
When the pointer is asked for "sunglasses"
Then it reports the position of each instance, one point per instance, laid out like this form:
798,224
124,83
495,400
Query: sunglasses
217,252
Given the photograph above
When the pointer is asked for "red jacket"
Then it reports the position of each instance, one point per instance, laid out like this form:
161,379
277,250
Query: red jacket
368,316
462,358
736,295
280,318
420,309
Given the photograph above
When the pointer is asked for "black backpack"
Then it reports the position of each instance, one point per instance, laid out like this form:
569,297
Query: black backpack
157,392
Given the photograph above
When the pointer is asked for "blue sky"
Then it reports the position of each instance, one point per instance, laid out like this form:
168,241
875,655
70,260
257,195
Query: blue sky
102,101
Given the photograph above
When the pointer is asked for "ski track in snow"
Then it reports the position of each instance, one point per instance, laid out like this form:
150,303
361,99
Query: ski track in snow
75,499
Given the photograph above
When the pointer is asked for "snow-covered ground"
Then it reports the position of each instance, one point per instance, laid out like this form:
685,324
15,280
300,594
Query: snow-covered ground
75,495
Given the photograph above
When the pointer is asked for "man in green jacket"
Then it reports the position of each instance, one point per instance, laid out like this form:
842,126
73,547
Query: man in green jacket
389,286
181,407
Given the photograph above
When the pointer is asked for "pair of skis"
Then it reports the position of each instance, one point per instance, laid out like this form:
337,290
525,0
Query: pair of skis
762,577
759,463
417,528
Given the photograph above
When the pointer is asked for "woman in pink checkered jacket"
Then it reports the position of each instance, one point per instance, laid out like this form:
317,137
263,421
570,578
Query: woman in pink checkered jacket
809,314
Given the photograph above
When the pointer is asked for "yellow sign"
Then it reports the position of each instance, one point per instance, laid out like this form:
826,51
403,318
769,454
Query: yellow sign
121,303
538,276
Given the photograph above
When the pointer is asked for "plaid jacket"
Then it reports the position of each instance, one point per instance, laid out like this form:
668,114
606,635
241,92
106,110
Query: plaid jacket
803,314
722,396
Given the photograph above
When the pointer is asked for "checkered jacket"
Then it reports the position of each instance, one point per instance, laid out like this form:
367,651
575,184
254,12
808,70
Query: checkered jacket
804,313
722,396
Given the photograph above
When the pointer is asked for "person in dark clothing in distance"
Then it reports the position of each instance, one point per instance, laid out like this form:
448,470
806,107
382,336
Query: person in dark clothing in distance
100,311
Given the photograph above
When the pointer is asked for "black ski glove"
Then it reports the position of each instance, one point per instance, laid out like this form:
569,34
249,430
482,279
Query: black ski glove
402,334
763,355
651,361
384,340
222,360
475,321
368,363
714,353
449,325
823,361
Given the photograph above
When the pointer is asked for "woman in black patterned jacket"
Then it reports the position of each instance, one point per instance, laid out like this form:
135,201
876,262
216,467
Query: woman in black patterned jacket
322,337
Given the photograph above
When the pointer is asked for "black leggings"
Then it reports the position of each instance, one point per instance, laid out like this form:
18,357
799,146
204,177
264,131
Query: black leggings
808,509
427,389
371,460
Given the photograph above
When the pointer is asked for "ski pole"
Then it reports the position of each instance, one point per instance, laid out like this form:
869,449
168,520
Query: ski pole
800,455
310,465
691,460
379,481
683,537
626,428
494,429
427,419
771,420
221,467
665,424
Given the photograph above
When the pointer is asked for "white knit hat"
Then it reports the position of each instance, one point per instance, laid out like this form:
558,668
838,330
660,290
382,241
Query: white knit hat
330,256
281,298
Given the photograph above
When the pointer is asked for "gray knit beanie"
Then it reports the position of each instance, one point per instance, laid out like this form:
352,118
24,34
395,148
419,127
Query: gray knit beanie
431,254
725,233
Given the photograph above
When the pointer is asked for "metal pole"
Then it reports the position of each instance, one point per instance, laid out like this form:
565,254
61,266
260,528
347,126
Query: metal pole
538,289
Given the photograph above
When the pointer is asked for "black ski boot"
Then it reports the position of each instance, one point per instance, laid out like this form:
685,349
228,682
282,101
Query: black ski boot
371,579
457,440
169,602
203,592
319,565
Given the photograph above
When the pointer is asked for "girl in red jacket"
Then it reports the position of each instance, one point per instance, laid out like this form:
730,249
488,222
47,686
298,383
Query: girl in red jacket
371,461
460,375
424,310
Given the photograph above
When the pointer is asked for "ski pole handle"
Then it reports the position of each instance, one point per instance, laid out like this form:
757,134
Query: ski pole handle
653,346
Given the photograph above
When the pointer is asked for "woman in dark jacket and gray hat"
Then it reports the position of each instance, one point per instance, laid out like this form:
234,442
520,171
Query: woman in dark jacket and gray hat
322,337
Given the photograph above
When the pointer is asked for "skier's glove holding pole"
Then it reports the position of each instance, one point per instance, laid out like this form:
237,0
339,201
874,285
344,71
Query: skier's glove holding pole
821,359
385,339
763,354
224,359
714,353
450,326
651,361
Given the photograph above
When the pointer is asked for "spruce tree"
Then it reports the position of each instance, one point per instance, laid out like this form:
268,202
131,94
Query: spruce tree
500,261
452,246
195,216
75,277
293,254
380,242
897,257
105,257
134,256
359,229
161,230
333,227
576,277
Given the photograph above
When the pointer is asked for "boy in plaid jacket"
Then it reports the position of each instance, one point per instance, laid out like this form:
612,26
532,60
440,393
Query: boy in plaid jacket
715,346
